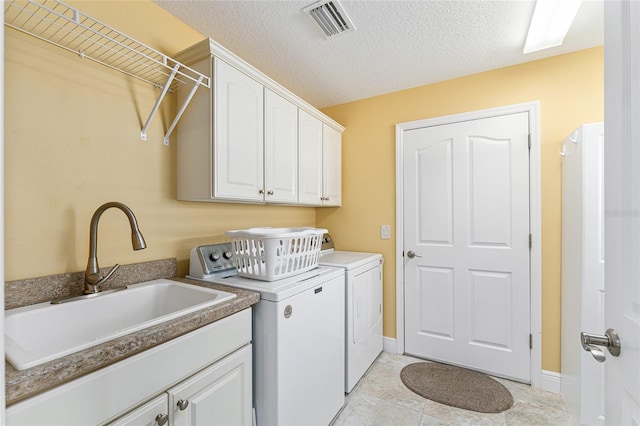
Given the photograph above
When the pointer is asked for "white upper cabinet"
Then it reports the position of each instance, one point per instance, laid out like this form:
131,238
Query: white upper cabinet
331,166
320,156
238,126
310,157
280,149
250,140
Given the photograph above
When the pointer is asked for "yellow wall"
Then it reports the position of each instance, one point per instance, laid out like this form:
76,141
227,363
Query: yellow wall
72,143
570,89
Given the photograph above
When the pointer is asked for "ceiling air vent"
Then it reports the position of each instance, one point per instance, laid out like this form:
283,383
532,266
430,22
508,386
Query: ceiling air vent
331,17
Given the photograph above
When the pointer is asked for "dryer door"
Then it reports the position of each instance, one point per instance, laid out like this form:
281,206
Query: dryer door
366,304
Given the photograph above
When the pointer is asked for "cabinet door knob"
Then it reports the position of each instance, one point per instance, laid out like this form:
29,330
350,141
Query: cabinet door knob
270,193
162,419
183,404
261,191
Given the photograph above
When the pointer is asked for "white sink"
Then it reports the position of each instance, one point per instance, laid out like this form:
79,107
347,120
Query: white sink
39,333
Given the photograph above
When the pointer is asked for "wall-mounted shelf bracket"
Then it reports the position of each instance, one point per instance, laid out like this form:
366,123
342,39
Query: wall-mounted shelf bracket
165,89
63,26
182,108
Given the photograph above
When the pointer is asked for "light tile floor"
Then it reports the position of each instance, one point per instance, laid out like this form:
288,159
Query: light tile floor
381,398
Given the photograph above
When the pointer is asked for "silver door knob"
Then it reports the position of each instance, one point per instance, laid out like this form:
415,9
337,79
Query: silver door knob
183,404
610,340
411,254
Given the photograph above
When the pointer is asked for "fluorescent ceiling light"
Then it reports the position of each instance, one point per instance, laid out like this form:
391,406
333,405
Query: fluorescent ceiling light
550,23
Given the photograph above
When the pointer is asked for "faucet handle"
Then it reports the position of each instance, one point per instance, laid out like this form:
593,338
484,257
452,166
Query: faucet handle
106,277
93,281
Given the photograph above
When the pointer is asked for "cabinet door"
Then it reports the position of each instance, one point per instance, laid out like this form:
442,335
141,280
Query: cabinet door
153,413
331,166
218,395
310,159
280,149
238,120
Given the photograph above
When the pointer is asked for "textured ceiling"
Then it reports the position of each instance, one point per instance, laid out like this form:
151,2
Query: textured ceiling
397,44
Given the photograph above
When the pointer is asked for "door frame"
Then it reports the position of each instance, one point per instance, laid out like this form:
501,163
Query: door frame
535,220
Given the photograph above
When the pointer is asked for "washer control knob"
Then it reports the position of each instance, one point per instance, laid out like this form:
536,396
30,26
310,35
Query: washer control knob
227,255
214,256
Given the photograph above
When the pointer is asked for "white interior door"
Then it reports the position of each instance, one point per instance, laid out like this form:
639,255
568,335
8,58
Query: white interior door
622,210
466,219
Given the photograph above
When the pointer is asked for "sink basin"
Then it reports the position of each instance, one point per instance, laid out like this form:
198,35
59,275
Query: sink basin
39,333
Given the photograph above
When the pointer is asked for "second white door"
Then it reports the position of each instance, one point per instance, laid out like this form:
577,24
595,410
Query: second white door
466,253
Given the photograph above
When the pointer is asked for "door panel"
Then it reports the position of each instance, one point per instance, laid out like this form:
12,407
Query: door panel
491,296
435,289
490,191
466,207
435,193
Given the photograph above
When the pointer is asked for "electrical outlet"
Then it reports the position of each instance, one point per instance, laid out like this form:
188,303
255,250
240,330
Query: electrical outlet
385,232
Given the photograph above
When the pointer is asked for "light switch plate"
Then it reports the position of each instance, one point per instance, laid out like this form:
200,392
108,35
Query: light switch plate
385,232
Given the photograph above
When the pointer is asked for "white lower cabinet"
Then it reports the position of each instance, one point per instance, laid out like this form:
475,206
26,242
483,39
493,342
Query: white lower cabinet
219,395
207,373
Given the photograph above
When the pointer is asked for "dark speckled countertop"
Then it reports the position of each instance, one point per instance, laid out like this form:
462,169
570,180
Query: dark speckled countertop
21,384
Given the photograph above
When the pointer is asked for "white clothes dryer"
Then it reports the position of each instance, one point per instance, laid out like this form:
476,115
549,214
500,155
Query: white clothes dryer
363,307
298,339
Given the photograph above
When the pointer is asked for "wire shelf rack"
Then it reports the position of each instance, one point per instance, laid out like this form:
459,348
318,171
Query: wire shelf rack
66,27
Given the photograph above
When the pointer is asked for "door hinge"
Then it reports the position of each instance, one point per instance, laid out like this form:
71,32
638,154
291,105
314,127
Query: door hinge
530,341
530,241
529,142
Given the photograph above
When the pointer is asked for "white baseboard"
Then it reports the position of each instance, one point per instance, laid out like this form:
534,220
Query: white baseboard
389,345
550,381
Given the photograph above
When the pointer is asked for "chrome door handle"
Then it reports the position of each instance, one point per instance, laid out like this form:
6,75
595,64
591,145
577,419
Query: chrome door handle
610,340
411,254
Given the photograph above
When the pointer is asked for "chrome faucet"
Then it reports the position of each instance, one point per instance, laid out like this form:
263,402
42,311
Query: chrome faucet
93,277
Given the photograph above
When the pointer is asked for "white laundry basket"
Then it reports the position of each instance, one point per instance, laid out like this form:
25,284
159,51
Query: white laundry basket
270,254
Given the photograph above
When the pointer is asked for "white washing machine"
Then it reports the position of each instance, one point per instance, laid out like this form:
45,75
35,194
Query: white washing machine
363,307
298,339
